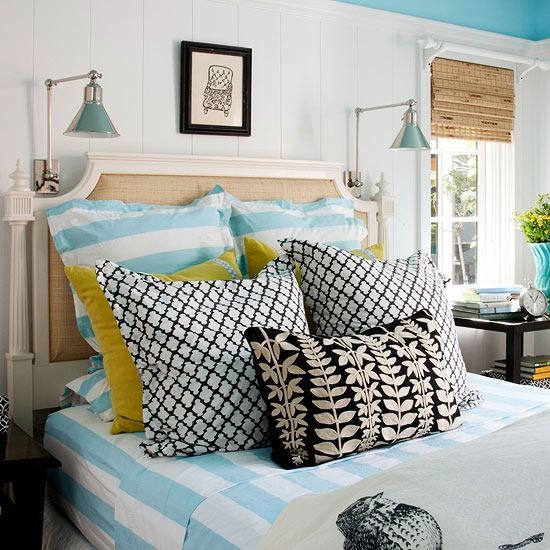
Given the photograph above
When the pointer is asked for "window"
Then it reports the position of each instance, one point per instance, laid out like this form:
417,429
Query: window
472,210
472,171
454,210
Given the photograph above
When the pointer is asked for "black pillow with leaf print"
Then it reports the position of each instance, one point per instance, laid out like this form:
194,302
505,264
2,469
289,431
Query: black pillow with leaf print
329,397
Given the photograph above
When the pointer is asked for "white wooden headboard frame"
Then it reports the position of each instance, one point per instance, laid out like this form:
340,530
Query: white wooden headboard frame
34,382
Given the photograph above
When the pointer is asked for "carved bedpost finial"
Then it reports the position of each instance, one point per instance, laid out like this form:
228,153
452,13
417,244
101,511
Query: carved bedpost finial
21,180
18,206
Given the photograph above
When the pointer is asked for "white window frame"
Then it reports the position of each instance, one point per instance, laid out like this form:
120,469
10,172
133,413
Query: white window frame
444,217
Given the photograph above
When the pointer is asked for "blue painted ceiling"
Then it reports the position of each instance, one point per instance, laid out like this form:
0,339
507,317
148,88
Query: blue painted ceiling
521,18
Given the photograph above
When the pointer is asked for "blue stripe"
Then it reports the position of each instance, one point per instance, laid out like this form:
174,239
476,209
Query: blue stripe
129,540
89,505
74,238
102,404
161,493
217,464
309,480
345,245
90,381
84,442
244,224
262,503
174,260
198,537
85,326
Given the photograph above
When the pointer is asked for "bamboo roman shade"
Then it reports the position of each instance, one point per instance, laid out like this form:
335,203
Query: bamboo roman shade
471,101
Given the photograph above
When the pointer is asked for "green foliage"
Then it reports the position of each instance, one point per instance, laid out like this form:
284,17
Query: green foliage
535,223
463,186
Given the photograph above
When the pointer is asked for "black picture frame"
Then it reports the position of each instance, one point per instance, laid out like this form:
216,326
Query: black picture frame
188,49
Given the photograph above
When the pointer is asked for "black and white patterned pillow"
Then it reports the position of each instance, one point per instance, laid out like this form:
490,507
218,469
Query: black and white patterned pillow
187,340
331,397
347,294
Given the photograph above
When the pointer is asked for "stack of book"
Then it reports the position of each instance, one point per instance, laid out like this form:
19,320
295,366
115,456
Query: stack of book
535,370
487,302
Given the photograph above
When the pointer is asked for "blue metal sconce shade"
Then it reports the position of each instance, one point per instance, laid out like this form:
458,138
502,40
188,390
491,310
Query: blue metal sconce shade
92,119
410,137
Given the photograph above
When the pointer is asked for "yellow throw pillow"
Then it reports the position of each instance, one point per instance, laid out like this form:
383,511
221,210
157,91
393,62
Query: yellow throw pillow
121,372
258,254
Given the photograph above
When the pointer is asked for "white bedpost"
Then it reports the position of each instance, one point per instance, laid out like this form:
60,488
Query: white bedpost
386,210
18,212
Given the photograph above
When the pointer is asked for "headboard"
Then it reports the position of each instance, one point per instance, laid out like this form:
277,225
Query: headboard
46,350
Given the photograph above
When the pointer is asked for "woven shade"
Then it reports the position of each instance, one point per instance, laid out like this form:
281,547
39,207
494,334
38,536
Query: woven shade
471,101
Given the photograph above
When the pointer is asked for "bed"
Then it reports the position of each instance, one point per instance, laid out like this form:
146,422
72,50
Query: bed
226,500
112,492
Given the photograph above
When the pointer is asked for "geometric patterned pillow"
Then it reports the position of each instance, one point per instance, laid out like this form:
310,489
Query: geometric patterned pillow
332,397
187,341
347,295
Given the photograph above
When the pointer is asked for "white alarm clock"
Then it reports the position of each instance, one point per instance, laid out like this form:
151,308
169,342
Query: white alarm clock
533,302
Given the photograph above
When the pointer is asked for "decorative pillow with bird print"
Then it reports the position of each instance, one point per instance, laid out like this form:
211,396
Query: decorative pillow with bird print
329,397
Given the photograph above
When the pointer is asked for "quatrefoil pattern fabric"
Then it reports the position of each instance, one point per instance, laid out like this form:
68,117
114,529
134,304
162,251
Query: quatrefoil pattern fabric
187,340
347,294
332,397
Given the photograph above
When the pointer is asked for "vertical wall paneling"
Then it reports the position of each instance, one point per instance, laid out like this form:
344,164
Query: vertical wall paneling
310,69
375,87
338,91
215,23
163,30
61,48
117,52
16,107
405,184
300,87
260,30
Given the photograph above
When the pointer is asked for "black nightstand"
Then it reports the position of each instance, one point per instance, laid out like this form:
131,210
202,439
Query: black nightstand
23,469
514,331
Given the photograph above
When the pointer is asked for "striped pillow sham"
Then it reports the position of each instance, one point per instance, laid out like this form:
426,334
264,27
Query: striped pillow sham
329,221
92,388
140,237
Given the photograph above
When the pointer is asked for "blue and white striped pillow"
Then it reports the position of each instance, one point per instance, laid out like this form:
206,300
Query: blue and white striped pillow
329,221
140,237
91,388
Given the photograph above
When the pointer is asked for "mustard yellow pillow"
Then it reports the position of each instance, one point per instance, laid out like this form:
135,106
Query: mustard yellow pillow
258,254
121,372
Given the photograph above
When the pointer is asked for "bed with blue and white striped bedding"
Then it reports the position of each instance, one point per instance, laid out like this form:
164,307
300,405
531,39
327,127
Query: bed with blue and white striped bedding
117,496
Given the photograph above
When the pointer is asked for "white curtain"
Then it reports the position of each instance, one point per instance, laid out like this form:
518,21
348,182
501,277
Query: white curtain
496,203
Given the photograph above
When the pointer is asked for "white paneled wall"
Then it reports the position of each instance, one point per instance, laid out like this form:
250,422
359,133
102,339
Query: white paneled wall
313,62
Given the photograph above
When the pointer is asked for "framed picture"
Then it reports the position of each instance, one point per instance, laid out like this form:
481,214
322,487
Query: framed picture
215,89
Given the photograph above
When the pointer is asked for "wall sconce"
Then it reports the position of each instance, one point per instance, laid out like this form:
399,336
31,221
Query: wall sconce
409,138
91,121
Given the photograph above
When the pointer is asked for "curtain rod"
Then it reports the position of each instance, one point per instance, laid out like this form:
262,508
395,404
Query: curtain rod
433,48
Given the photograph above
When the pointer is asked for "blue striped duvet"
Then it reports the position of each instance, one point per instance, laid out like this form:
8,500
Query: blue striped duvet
116,495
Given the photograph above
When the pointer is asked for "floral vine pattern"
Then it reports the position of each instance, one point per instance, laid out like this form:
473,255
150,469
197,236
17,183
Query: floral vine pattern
331,397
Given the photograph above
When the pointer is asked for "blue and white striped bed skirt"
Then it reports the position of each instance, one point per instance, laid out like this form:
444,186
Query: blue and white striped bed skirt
118,497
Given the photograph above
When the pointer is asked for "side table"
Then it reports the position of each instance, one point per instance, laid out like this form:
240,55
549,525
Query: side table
514,330
24,466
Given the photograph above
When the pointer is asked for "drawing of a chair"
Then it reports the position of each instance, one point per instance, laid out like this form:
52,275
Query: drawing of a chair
218,91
